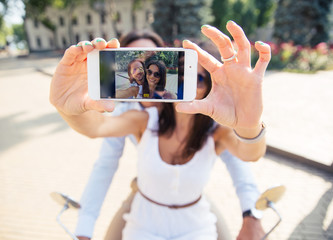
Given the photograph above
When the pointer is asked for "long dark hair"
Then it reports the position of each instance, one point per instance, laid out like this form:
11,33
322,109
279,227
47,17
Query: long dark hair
202,125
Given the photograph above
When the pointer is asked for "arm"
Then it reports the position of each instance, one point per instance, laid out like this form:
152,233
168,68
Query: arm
247,192
94,124
98,185
243,180
127,93
69,94
100,180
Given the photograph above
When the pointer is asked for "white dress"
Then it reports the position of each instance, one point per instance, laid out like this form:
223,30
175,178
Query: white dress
171,185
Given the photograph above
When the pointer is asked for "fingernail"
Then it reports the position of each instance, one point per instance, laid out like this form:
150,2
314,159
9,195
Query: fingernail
260,42
78,45
112,39
230,21
99,40
185,40
205,26
88,43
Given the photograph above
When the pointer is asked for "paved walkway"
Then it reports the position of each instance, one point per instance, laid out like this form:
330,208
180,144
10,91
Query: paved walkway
39,154
299,114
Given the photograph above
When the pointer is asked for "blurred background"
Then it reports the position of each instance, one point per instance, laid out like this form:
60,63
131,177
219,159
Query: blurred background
40,154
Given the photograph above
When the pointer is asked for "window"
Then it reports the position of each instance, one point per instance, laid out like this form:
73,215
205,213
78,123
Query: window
39,42
36,23
74,20
91,37
88,19
51,42
61,21
103,17
77,38
64,42
118,17
104,36
149,17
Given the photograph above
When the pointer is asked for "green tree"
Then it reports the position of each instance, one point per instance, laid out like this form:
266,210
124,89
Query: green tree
3,11
265,10
5,31
19,36
35,9
179,19
304,22
250,14
221,10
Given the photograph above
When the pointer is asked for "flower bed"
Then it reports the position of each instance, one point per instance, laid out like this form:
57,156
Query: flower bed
289,57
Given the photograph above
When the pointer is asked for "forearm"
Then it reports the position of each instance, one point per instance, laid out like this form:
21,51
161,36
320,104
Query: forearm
127,93
94,124
98,185
251,143
88,123
243,180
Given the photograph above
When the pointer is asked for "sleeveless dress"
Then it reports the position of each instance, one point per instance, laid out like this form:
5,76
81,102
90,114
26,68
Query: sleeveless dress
171,185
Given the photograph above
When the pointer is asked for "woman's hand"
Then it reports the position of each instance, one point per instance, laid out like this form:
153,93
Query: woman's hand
69,86
235,99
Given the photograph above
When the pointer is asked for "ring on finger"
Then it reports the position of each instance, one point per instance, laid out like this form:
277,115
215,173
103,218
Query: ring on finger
230,58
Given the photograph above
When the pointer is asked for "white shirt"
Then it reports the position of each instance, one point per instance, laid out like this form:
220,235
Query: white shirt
107,164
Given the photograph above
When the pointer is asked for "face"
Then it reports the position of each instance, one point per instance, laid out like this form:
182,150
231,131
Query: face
137,72
201,87
153,75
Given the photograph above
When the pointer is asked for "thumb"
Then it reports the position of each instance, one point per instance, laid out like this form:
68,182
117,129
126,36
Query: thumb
197,106
100,105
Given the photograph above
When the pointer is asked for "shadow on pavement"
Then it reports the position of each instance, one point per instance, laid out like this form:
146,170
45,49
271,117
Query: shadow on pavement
15,129
315,219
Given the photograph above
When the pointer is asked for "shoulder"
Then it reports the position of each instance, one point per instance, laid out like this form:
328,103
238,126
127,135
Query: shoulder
137,121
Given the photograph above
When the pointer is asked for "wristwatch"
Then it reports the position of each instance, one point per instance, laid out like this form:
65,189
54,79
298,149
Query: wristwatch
253,212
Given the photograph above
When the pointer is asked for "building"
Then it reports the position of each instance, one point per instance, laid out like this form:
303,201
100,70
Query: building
86,22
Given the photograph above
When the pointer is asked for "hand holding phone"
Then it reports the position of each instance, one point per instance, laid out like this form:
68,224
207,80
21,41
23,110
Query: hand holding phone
141,74
69,85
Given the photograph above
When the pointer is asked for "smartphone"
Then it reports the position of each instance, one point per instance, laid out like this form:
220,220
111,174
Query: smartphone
143,74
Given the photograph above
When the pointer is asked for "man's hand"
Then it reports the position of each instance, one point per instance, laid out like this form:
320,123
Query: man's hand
251,229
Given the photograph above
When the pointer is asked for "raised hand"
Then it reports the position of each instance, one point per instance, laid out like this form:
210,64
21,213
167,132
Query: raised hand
69,86
235,99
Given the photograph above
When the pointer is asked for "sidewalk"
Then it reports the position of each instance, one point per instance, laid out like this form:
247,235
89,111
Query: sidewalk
39,154
299,116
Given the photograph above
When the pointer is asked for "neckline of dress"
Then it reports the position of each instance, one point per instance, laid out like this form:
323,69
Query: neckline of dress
188,163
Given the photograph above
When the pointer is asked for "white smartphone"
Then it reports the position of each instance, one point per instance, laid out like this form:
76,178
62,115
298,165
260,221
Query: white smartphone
143,74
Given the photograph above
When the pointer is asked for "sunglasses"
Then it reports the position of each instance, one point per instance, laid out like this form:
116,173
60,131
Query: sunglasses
156,74
137,69
201,80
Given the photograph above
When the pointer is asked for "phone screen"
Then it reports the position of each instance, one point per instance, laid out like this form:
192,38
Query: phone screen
140,74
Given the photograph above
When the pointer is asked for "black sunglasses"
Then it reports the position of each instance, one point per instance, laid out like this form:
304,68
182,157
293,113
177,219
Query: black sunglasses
156,74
